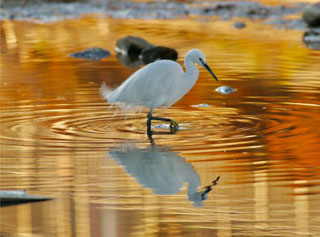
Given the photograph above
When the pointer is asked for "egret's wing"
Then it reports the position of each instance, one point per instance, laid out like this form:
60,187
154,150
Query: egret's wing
149,83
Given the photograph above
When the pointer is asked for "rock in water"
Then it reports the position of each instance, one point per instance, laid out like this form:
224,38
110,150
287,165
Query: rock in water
225,90
94,54
311,39
134,51
239,25
156,53
200,105
129,49
132,46
311,14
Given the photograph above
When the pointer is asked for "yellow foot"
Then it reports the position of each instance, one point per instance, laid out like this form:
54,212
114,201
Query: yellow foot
174,126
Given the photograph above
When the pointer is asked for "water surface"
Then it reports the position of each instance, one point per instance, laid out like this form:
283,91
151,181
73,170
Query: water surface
60,139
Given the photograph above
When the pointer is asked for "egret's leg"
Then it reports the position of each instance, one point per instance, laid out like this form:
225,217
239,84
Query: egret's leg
173,124
149,117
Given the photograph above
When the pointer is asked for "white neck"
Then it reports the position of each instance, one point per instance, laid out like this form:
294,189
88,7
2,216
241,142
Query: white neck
192,72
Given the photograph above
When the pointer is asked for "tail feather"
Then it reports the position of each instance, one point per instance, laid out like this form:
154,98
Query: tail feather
110,95
105,92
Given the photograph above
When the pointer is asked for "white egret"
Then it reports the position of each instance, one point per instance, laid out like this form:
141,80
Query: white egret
159,84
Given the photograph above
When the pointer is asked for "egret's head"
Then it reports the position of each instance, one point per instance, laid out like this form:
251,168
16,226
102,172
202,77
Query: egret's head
198,57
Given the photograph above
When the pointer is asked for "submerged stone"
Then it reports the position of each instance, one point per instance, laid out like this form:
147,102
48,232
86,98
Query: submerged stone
94,54
225,90
239,25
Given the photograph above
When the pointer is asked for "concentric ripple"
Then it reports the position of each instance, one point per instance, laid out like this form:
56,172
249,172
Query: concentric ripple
209,129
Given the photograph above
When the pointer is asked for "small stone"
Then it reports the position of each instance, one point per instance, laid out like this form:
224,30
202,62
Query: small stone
225,90
239,25
200,105
94,54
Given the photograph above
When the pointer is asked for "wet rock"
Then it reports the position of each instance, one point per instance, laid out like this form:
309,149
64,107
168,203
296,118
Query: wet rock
311,14
94,54
311,39
129,49
134,51
156,53
132,45
225,90
129,60
239,25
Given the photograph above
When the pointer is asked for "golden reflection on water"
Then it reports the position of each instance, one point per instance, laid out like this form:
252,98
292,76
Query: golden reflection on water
57,133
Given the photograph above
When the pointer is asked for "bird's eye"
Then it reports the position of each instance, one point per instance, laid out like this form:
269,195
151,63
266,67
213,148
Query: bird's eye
200,59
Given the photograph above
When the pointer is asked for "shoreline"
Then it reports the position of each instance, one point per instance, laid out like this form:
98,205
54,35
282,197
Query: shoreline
281,16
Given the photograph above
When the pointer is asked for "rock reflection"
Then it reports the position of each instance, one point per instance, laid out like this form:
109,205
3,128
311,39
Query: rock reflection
161,169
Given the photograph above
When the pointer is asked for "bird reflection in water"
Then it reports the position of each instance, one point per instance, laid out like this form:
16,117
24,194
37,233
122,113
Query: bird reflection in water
162,170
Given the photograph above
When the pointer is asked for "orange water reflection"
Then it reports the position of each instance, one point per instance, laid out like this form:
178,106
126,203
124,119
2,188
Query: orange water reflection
57,133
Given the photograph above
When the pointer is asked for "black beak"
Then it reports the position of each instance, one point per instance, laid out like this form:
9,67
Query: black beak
209,70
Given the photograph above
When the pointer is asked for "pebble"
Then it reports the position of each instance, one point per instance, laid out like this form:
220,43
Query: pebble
94,54
239,25
200,105
225,90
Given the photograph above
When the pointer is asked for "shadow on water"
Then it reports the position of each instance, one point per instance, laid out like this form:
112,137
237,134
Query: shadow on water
161,169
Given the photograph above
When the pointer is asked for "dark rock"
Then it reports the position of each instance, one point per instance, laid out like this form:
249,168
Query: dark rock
311,14
94,54
132,46
129,49
311,39
153,54
239,25
129,60
134,51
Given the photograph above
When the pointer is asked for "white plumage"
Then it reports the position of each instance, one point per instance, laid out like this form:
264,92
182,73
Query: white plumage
159,84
